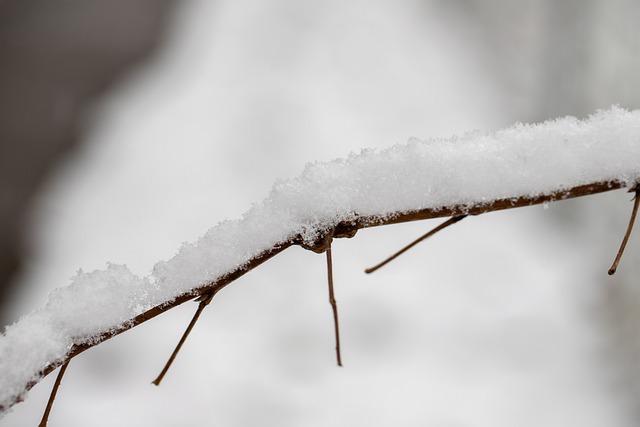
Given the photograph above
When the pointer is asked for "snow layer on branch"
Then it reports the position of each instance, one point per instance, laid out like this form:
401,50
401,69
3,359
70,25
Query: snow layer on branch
523,160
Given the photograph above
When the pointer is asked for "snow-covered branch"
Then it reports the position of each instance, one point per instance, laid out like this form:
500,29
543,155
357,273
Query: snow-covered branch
472,174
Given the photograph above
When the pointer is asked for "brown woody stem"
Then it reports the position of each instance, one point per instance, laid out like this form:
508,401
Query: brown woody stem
204,301
52,396
632,220
334,306
442,226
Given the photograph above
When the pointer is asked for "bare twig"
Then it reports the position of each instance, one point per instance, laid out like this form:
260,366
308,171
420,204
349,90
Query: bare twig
334,306
52,396
204,301
632,220
442,226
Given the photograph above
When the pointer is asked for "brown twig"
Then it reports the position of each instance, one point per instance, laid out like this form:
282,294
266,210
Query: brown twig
442,226
204,301
334,306
346,230
52,396
632,220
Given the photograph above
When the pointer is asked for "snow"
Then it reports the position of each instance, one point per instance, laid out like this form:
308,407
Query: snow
523,160
99,301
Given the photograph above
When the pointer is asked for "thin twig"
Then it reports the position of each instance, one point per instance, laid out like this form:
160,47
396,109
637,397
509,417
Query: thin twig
442,226
52,396
204,301
632,220
334,306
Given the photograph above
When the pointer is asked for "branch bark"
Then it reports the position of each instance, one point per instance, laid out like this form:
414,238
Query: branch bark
341,230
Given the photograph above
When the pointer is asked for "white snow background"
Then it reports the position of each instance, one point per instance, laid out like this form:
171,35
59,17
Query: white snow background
490,323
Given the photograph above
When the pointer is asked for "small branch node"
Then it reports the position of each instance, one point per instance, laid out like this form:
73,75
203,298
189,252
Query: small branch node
321,244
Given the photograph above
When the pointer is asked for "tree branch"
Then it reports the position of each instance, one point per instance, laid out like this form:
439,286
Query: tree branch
204,301
52,396
632,220
334,306
425,236
343,229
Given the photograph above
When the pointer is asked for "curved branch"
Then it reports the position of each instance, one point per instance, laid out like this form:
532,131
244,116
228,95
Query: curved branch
341,230
519,166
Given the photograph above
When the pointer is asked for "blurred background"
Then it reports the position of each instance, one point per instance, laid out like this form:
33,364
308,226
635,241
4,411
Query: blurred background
130,126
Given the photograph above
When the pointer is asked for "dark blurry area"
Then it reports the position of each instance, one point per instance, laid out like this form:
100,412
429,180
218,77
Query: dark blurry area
56,58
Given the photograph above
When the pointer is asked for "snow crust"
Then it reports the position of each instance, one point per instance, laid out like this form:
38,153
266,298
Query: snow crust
522,160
